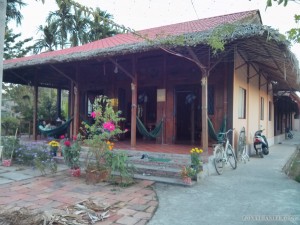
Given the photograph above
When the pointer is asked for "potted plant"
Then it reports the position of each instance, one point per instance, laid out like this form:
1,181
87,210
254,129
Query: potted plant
101,159
54,145
10,144
71,153
187,173
196,160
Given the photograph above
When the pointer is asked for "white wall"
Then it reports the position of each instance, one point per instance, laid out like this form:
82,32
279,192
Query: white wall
256,88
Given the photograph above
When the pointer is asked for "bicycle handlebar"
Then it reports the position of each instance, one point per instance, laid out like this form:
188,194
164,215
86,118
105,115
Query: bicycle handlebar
230,130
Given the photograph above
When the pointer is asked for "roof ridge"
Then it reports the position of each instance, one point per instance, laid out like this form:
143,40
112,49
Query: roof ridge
198,20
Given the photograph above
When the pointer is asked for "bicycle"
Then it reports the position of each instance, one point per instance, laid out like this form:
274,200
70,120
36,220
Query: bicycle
242,151
223,153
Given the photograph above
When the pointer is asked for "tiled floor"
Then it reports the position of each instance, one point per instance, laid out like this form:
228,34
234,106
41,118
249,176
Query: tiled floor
55,193
149,146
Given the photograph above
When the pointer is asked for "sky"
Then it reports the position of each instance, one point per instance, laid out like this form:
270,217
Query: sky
143,14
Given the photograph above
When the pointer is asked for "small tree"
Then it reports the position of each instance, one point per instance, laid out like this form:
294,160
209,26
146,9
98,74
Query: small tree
9,125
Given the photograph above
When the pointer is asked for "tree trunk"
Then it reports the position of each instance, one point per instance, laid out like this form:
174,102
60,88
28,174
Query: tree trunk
3,4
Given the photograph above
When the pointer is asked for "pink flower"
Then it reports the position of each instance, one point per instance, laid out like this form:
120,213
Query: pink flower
93,114
67,143
126,130
74,137
109,126
62,137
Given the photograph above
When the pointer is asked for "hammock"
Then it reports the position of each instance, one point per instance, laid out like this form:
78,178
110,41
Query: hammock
57,131
152,134
212,133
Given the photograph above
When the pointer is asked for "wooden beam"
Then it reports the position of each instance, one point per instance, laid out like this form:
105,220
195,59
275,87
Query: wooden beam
195,58
62,73
20,77
221,57
132,77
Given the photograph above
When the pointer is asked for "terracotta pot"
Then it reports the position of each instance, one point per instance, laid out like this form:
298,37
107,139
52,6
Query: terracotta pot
96,176
6,162
75,172
187,180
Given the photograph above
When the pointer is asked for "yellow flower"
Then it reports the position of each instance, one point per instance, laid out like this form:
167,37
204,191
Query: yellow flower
110,145
53,144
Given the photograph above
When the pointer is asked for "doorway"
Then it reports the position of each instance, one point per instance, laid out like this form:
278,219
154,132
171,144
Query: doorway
187,114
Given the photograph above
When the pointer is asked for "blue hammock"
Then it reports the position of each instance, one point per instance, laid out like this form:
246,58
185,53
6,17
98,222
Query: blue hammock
149,134
212,133
57,131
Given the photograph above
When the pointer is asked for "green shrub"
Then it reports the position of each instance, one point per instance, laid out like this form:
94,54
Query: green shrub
36,155
10,144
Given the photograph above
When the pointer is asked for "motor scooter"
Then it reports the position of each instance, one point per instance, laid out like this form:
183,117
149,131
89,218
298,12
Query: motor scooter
260,144
288,133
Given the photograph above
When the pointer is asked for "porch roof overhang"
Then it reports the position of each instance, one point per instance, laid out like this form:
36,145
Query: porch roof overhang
260,45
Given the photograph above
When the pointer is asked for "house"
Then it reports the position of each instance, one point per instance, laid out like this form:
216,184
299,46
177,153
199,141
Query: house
174,75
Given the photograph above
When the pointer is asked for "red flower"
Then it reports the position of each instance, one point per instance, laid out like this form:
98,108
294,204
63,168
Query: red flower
67,143
62,137
74,137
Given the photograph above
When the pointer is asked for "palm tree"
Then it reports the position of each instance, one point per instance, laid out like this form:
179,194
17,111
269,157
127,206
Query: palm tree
79,32
49,40
62,18
12,12
100,27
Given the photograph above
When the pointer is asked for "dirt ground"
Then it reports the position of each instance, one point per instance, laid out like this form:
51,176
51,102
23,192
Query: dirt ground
293,170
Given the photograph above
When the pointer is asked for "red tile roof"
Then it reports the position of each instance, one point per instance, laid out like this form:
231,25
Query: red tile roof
129,38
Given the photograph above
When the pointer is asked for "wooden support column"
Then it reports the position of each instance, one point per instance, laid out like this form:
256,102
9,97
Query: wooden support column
133,105
204,111
76,111
71,107
133,78
76,104
35,107
58,103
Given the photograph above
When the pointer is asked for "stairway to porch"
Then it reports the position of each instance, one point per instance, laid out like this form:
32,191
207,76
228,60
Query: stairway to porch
156,162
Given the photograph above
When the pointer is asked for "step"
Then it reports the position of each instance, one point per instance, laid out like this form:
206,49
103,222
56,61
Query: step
165,180
162,170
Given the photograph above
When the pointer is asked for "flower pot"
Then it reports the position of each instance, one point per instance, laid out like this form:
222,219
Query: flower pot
198,168
6,162
75,172
53,150
187,180
96,176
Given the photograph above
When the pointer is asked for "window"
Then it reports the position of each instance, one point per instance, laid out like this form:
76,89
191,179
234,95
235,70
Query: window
242,103
270,111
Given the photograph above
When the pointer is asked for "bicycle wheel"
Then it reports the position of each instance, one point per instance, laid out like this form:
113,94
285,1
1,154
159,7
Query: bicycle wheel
231,157
241,143
218,160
